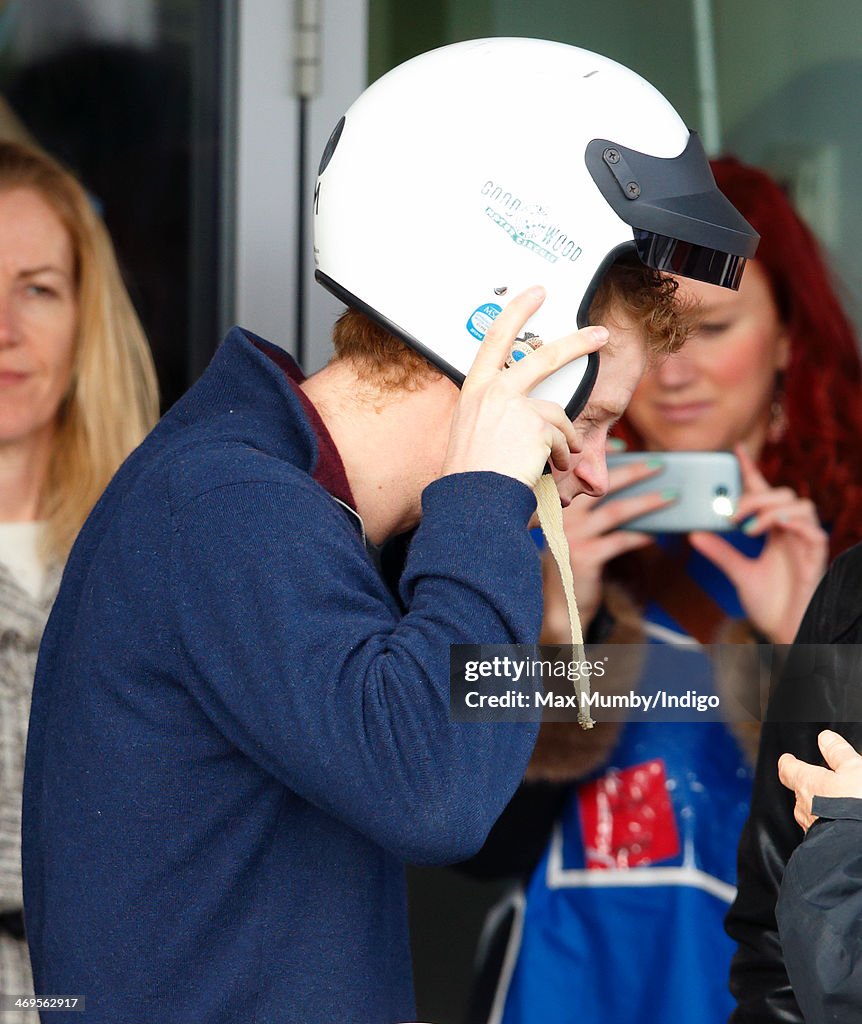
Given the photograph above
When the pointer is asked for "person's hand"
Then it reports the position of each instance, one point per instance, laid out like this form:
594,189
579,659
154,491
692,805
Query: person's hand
592,527
774,588
843,778
495,426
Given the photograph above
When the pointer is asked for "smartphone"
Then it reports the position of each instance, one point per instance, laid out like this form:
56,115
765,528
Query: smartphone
708,485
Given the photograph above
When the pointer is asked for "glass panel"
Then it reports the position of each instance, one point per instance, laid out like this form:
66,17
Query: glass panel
127,94
789,88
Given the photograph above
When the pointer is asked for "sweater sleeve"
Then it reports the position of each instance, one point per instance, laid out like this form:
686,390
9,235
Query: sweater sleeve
520,835
299,655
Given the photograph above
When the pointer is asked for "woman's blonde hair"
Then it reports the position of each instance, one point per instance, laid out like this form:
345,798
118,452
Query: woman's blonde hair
112,401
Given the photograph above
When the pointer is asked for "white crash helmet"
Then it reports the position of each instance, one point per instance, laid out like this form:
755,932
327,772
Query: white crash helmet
476,170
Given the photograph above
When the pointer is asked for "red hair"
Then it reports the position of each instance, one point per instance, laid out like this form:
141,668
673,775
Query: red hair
820,455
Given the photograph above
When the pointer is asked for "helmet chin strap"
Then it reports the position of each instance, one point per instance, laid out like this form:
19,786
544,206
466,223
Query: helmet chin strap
551,520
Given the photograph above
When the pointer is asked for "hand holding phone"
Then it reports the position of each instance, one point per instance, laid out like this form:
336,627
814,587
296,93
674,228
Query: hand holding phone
702,490
593,530
774,587
644,497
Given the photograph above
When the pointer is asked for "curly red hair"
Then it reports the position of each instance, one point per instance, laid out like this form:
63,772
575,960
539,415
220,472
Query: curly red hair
820,455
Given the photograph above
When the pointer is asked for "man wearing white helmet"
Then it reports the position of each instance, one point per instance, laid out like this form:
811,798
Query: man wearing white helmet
239,732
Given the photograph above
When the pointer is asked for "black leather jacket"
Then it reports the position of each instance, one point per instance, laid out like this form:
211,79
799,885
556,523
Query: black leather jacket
820,908
828,682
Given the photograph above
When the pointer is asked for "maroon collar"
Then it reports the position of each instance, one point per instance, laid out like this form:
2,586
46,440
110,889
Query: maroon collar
329,469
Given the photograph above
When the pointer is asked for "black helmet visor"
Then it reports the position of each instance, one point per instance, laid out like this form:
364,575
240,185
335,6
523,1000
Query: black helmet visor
681,222
688,260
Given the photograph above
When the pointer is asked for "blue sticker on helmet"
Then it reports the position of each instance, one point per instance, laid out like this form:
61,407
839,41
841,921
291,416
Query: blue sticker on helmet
482,318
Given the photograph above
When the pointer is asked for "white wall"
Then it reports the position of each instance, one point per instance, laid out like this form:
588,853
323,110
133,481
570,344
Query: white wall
266,214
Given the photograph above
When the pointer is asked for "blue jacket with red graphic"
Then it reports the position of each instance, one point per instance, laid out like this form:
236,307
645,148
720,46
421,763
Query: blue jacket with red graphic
622,919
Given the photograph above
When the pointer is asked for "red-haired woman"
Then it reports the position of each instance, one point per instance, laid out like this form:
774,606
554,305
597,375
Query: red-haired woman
623,915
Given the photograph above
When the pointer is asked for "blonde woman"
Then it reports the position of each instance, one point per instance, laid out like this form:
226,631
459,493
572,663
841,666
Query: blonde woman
77,393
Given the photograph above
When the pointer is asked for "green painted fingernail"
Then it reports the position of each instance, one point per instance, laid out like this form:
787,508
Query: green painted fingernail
750,526
616,444
655,463
670,495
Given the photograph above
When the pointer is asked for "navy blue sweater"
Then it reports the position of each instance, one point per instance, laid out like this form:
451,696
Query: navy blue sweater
238,737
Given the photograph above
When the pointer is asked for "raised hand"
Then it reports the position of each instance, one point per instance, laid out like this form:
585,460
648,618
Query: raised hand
774,588
843,777
496,426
